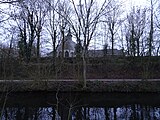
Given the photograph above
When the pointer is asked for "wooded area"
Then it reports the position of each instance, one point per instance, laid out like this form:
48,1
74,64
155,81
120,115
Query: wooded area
29,28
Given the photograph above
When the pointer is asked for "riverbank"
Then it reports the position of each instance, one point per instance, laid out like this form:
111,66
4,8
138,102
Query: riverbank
101,85
110,67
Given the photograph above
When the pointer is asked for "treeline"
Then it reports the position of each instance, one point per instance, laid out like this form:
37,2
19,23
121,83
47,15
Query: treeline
29,28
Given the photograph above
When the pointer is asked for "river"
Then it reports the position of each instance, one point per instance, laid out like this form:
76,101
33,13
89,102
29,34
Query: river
79,106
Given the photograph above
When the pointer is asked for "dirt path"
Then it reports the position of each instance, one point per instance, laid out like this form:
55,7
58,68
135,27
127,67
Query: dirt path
71,80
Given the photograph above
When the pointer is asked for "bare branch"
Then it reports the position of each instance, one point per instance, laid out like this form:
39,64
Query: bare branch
9,2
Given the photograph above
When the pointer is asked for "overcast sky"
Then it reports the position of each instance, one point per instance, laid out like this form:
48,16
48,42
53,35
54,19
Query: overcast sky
139,3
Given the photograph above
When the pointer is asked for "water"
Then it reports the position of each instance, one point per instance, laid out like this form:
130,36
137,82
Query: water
79,106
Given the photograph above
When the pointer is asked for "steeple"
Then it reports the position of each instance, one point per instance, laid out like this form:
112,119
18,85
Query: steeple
69,46
69,33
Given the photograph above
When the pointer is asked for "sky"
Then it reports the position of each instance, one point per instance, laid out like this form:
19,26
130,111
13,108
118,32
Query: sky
127,3
137,2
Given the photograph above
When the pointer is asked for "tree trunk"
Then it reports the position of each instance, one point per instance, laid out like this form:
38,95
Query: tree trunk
84,70
63,43
151,31
138,51
38,46
112,43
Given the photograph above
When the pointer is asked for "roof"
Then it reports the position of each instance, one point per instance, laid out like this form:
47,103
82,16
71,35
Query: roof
100,53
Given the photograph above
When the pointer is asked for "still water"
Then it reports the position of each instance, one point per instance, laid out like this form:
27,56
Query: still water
79,106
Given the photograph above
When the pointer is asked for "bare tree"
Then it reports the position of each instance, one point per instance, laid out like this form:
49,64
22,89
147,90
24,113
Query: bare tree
112,18
9,1
84,24
57,26
134,30
40,15
157,23
64,11
151,32
52,26
29,24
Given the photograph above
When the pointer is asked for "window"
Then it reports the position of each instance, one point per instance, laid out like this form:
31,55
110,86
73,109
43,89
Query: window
66,54
60,54
72,54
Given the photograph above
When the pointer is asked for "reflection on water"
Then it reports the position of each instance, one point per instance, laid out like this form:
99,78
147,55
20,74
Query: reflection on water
136,112
76,106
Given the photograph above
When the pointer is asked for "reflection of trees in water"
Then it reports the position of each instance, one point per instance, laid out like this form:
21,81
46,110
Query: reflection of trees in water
134,112
93,113
128,112
28,113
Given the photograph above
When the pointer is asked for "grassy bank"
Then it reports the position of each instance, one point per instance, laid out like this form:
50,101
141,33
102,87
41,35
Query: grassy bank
115,67
75,86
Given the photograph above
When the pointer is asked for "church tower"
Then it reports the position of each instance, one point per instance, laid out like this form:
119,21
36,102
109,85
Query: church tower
69,46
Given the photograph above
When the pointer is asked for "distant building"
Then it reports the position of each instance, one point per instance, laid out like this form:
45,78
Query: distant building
69,46
102,53
69,49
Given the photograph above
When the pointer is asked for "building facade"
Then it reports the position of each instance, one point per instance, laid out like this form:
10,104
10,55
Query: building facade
69,46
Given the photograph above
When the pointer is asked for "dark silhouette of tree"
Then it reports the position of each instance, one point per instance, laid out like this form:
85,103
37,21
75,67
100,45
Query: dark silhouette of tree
134,30
30,20
150,38
112,18
84,24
